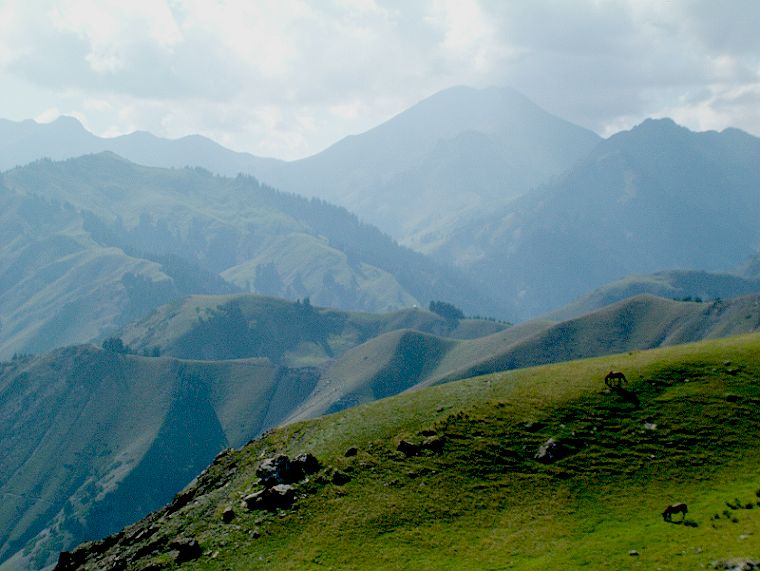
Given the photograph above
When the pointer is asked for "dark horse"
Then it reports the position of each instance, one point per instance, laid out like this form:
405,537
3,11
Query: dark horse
667,515
615,376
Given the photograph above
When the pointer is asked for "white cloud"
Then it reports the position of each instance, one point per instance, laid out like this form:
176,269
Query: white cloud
287,78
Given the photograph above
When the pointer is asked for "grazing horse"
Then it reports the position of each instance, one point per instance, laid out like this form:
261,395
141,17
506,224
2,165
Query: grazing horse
667,515
615,376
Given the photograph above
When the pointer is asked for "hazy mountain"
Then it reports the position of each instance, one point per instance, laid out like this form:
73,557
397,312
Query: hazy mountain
654,198
451,156
93,242
751,268
675,284
454,154
290,334
26,141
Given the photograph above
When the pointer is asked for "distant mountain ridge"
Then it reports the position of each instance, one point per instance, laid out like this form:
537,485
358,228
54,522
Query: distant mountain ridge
657,197
118,236
675,284
457,153
23,142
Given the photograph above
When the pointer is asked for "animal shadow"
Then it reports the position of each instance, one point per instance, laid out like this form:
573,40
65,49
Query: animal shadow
628,396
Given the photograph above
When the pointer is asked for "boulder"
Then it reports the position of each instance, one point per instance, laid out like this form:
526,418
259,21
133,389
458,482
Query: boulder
308,463
340,478
282,470
408,448
185,550
550,451
228,515
433,444
280,496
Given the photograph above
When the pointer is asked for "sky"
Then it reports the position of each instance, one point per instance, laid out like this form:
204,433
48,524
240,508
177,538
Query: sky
287,78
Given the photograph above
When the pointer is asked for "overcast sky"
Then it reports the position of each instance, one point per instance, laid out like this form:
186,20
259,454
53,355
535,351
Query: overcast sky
286,78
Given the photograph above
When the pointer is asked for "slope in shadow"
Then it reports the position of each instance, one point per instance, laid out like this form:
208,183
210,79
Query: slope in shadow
189,438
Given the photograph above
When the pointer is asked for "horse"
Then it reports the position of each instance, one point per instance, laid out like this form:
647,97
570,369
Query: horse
667,515
615,376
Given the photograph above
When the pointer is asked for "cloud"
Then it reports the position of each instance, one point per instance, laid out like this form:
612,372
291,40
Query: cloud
287,78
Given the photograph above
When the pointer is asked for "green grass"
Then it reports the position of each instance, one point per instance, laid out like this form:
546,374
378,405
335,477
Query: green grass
485,502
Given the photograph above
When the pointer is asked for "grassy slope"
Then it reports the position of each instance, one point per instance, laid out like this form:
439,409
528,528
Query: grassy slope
182,329
642,322
80,423
676,284
485,503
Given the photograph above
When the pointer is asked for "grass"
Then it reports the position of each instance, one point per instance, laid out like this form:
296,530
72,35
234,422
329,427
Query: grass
485,502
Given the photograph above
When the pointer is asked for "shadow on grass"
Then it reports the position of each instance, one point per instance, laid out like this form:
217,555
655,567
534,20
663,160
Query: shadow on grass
684,522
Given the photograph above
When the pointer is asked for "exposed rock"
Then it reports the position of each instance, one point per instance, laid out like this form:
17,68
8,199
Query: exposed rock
408,448
534,426
340,478
228,515
308,462
282,470
550,451
186,550
433,443
737,565
633,553
222,455
271,499
70,560
353,451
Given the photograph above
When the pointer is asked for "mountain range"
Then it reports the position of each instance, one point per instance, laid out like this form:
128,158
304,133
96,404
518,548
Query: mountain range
536,210
93,242
520,216
450,157
657,197
538,468
96,438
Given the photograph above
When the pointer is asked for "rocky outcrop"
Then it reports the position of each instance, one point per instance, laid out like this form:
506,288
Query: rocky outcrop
282,470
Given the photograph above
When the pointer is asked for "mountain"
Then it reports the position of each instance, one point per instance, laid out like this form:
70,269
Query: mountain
290,334
457,153
543,466
93,242
657,197
454,154
94,439
675,284
89,427
751,268
65,138
403,359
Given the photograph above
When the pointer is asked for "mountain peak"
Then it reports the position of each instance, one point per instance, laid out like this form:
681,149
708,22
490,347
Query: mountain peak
66,122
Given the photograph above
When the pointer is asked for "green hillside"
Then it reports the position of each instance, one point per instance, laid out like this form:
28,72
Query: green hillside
674,284
277,362
91,243
465,476
294,334
93,440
